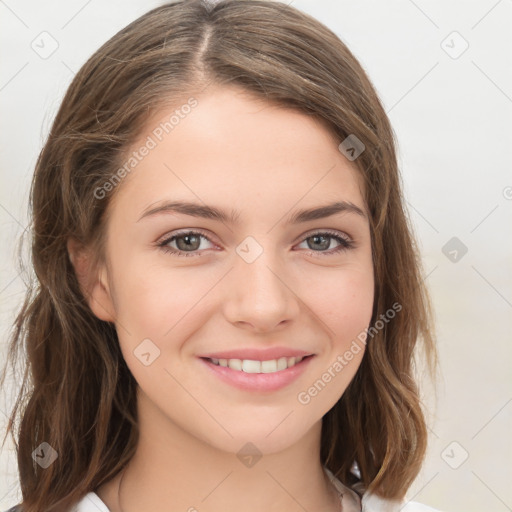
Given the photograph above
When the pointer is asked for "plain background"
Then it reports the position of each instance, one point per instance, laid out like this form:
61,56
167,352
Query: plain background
451,109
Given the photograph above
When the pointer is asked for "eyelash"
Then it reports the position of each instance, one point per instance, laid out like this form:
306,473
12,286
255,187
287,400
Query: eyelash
345,244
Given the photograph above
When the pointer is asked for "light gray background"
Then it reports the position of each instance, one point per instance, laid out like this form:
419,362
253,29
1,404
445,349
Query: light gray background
452,118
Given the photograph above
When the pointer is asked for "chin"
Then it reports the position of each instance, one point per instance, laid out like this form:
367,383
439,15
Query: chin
262,437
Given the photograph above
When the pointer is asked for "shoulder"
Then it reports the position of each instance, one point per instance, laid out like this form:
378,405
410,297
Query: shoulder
373,503
91,502
413,506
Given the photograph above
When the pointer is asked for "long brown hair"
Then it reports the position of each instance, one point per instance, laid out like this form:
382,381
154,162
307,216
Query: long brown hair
78,394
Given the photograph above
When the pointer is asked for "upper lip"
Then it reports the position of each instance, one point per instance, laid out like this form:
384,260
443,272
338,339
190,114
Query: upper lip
257,354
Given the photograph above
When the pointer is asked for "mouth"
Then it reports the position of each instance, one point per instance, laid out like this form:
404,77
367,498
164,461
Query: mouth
258,366
257,375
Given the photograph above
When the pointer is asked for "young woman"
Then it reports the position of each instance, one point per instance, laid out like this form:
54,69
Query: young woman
229,299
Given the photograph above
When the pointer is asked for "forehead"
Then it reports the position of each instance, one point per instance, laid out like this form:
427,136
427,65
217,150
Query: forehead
227,146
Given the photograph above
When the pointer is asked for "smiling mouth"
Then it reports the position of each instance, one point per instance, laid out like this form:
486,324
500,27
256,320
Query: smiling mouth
255,366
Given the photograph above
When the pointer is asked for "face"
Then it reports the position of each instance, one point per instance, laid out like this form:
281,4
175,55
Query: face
242,278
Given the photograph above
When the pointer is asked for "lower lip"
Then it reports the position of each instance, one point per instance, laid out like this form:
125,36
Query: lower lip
258,381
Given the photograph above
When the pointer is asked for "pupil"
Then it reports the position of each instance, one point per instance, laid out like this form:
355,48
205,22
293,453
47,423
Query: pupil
188,242
325,245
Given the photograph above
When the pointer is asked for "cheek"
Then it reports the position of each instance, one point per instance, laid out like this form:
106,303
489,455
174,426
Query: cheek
343,304
154,298
162,305
343,300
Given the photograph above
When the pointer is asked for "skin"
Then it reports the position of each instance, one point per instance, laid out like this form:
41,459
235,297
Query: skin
232,151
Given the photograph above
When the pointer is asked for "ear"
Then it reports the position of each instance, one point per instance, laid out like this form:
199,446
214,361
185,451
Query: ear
93,281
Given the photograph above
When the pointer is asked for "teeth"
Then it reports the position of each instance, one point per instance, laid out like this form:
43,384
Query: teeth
235,364
269,366
249,366
252,366
282,363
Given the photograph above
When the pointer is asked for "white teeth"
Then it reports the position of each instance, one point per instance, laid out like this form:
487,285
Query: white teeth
253,366
269,366
250,366
282,363
235,364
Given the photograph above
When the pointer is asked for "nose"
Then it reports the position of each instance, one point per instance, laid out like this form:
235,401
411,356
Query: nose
259,294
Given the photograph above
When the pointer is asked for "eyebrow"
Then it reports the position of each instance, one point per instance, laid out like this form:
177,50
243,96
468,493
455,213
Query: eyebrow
211,212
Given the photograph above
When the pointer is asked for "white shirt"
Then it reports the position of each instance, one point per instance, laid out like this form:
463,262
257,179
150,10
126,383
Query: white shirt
350,501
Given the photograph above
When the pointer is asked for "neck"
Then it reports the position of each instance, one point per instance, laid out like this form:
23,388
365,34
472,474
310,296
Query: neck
174,471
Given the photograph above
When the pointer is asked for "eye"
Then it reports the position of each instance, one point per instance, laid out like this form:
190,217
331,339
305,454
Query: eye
187,243
323,240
